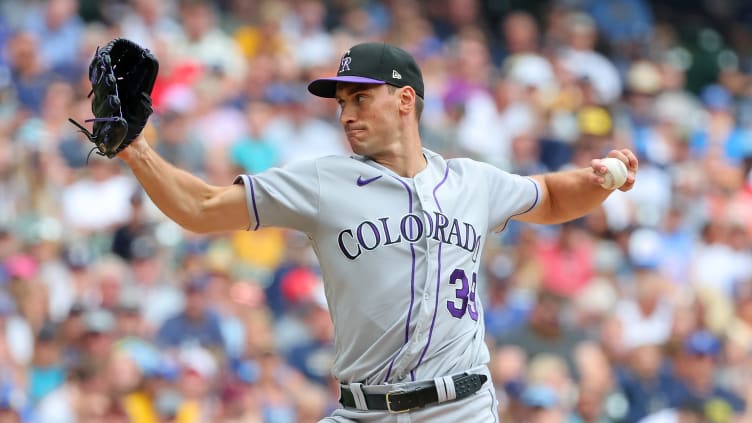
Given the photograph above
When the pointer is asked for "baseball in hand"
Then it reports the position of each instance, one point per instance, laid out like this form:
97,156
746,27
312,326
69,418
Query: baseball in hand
616,175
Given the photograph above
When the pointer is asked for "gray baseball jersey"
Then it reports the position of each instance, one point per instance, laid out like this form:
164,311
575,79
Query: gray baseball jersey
399,256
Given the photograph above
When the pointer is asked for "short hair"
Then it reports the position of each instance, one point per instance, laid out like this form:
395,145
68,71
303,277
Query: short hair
419,103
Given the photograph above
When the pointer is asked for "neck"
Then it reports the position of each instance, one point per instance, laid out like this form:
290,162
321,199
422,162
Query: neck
405,156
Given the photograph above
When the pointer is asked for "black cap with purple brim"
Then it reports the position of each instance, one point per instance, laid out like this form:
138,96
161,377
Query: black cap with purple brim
372,63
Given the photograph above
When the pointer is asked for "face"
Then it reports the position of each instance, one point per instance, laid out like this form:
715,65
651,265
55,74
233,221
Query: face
197,20
646,360
369,114
702,365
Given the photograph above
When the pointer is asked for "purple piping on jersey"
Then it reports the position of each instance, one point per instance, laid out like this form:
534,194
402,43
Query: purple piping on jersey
446,174
435,310
537,195
253,200
438,272
412,284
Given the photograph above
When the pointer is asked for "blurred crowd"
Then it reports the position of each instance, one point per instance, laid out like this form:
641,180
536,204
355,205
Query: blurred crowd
640,311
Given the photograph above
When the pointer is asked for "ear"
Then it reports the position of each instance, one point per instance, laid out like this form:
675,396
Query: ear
407,98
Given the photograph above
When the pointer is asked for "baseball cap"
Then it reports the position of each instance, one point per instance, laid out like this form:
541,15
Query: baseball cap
372,63
702,342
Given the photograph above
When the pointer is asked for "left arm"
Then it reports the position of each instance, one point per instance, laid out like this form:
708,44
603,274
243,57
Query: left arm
571,194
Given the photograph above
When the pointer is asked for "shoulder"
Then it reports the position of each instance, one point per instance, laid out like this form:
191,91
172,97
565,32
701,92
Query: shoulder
326,162
468,165
311,166
338,160
456,164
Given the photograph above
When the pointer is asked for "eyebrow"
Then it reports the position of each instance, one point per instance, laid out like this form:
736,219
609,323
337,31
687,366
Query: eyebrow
355,89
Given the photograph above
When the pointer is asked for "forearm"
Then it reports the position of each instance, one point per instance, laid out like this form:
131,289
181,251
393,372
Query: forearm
180,195
570,194
574,193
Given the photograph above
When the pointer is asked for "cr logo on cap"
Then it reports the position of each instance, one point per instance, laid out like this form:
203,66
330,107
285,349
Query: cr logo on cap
345,65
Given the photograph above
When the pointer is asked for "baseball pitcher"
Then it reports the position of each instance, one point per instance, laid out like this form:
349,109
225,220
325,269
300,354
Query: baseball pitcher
399,231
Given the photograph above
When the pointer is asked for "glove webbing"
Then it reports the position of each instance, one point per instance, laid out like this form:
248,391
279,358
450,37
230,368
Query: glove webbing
108,70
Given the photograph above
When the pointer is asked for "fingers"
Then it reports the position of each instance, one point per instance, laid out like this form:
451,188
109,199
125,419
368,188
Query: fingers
599,170
630,159
627,157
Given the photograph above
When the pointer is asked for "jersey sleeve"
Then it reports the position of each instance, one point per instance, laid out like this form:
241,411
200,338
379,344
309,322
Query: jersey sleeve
509,195
286,197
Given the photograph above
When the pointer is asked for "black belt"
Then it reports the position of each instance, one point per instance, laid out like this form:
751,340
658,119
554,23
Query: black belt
402,400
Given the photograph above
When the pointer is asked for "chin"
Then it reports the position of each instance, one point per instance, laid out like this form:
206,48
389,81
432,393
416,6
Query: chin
358,147
359,151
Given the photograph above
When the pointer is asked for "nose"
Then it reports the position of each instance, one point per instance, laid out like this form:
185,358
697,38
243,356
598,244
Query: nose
346,115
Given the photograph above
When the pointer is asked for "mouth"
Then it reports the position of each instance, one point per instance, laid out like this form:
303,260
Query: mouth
353,131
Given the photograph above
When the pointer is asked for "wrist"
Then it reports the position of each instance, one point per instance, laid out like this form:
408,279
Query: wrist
134,149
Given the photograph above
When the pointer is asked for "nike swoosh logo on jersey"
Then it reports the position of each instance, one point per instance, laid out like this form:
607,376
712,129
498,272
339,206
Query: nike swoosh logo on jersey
362,182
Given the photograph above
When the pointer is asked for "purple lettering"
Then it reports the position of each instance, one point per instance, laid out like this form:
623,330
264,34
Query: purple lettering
460,293
387,235
472,309
455,231
404,225
344,249
468,227
376,235
476,248
441,223
429,224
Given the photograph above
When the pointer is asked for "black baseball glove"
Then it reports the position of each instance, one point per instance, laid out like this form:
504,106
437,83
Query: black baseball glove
122,76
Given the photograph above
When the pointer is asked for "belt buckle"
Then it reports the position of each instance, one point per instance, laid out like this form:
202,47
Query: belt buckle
389,402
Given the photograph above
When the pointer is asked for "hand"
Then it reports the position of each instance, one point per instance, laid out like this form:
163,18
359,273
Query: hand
135,149
627,157
122,76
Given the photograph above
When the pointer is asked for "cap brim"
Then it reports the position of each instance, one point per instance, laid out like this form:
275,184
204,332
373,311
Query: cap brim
327,87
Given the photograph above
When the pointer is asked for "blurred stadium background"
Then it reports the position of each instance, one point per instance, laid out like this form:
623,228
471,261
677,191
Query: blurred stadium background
643,309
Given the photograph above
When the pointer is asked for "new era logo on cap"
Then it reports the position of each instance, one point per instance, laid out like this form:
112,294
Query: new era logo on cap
372,63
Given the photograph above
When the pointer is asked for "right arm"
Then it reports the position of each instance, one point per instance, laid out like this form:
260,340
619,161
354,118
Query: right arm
183,197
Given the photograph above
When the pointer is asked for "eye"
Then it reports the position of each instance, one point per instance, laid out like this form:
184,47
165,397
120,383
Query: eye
360,98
